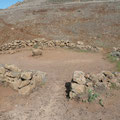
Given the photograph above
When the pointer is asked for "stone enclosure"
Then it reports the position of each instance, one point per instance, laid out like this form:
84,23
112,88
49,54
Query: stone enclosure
82,83
20,80
116,52
42,43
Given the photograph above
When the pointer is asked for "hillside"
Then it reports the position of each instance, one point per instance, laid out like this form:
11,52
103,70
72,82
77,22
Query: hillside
91,22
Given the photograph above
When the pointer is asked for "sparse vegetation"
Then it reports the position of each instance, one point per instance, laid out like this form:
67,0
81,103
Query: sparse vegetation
60,1
114,86
78,50
36,46
101,102
115,60
92,96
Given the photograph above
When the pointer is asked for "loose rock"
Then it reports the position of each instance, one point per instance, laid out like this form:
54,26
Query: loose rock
36,52
22,81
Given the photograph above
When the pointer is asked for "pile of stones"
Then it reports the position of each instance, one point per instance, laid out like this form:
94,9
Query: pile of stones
22,81
43,43
116,52
82,83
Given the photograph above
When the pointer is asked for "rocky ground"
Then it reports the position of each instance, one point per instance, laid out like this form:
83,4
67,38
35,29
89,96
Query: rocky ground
49,102
92,23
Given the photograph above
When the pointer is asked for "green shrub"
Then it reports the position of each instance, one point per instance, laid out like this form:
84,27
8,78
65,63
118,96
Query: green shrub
101,102
91,95
35,46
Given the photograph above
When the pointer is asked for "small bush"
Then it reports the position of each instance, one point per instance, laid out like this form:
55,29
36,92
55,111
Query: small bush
92,96
114,86
35,46
101,102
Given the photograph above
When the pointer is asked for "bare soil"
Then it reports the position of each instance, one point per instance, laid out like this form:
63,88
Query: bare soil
94,23
49,101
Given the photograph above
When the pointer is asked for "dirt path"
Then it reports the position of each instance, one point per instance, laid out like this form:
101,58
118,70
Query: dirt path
49,102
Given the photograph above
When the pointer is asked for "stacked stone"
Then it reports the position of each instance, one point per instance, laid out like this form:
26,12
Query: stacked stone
82,83
43,43
22,81
77,84
116,52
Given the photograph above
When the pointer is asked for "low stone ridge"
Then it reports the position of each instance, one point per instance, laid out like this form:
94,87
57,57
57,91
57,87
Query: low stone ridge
82,83
22,81
116,52
43,43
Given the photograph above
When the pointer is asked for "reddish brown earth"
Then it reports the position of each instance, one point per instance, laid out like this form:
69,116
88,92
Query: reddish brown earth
49,101
93,23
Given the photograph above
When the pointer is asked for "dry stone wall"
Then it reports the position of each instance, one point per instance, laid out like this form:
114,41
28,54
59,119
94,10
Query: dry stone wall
43,43
116,52
22,81
82,83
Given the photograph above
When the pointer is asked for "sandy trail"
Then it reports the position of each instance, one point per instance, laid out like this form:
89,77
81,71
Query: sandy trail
49,102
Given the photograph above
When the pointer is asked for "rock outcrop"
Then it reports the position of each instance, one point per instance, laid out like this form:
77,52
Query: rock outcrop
22,81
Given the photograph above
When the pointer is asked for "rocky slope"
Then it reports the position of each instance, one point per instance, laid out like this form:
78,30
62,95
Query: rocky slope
94,23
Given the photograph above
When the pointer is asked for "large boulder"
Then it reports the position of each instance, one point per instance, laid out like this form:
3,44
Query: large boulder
36,52
79,77
78,89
